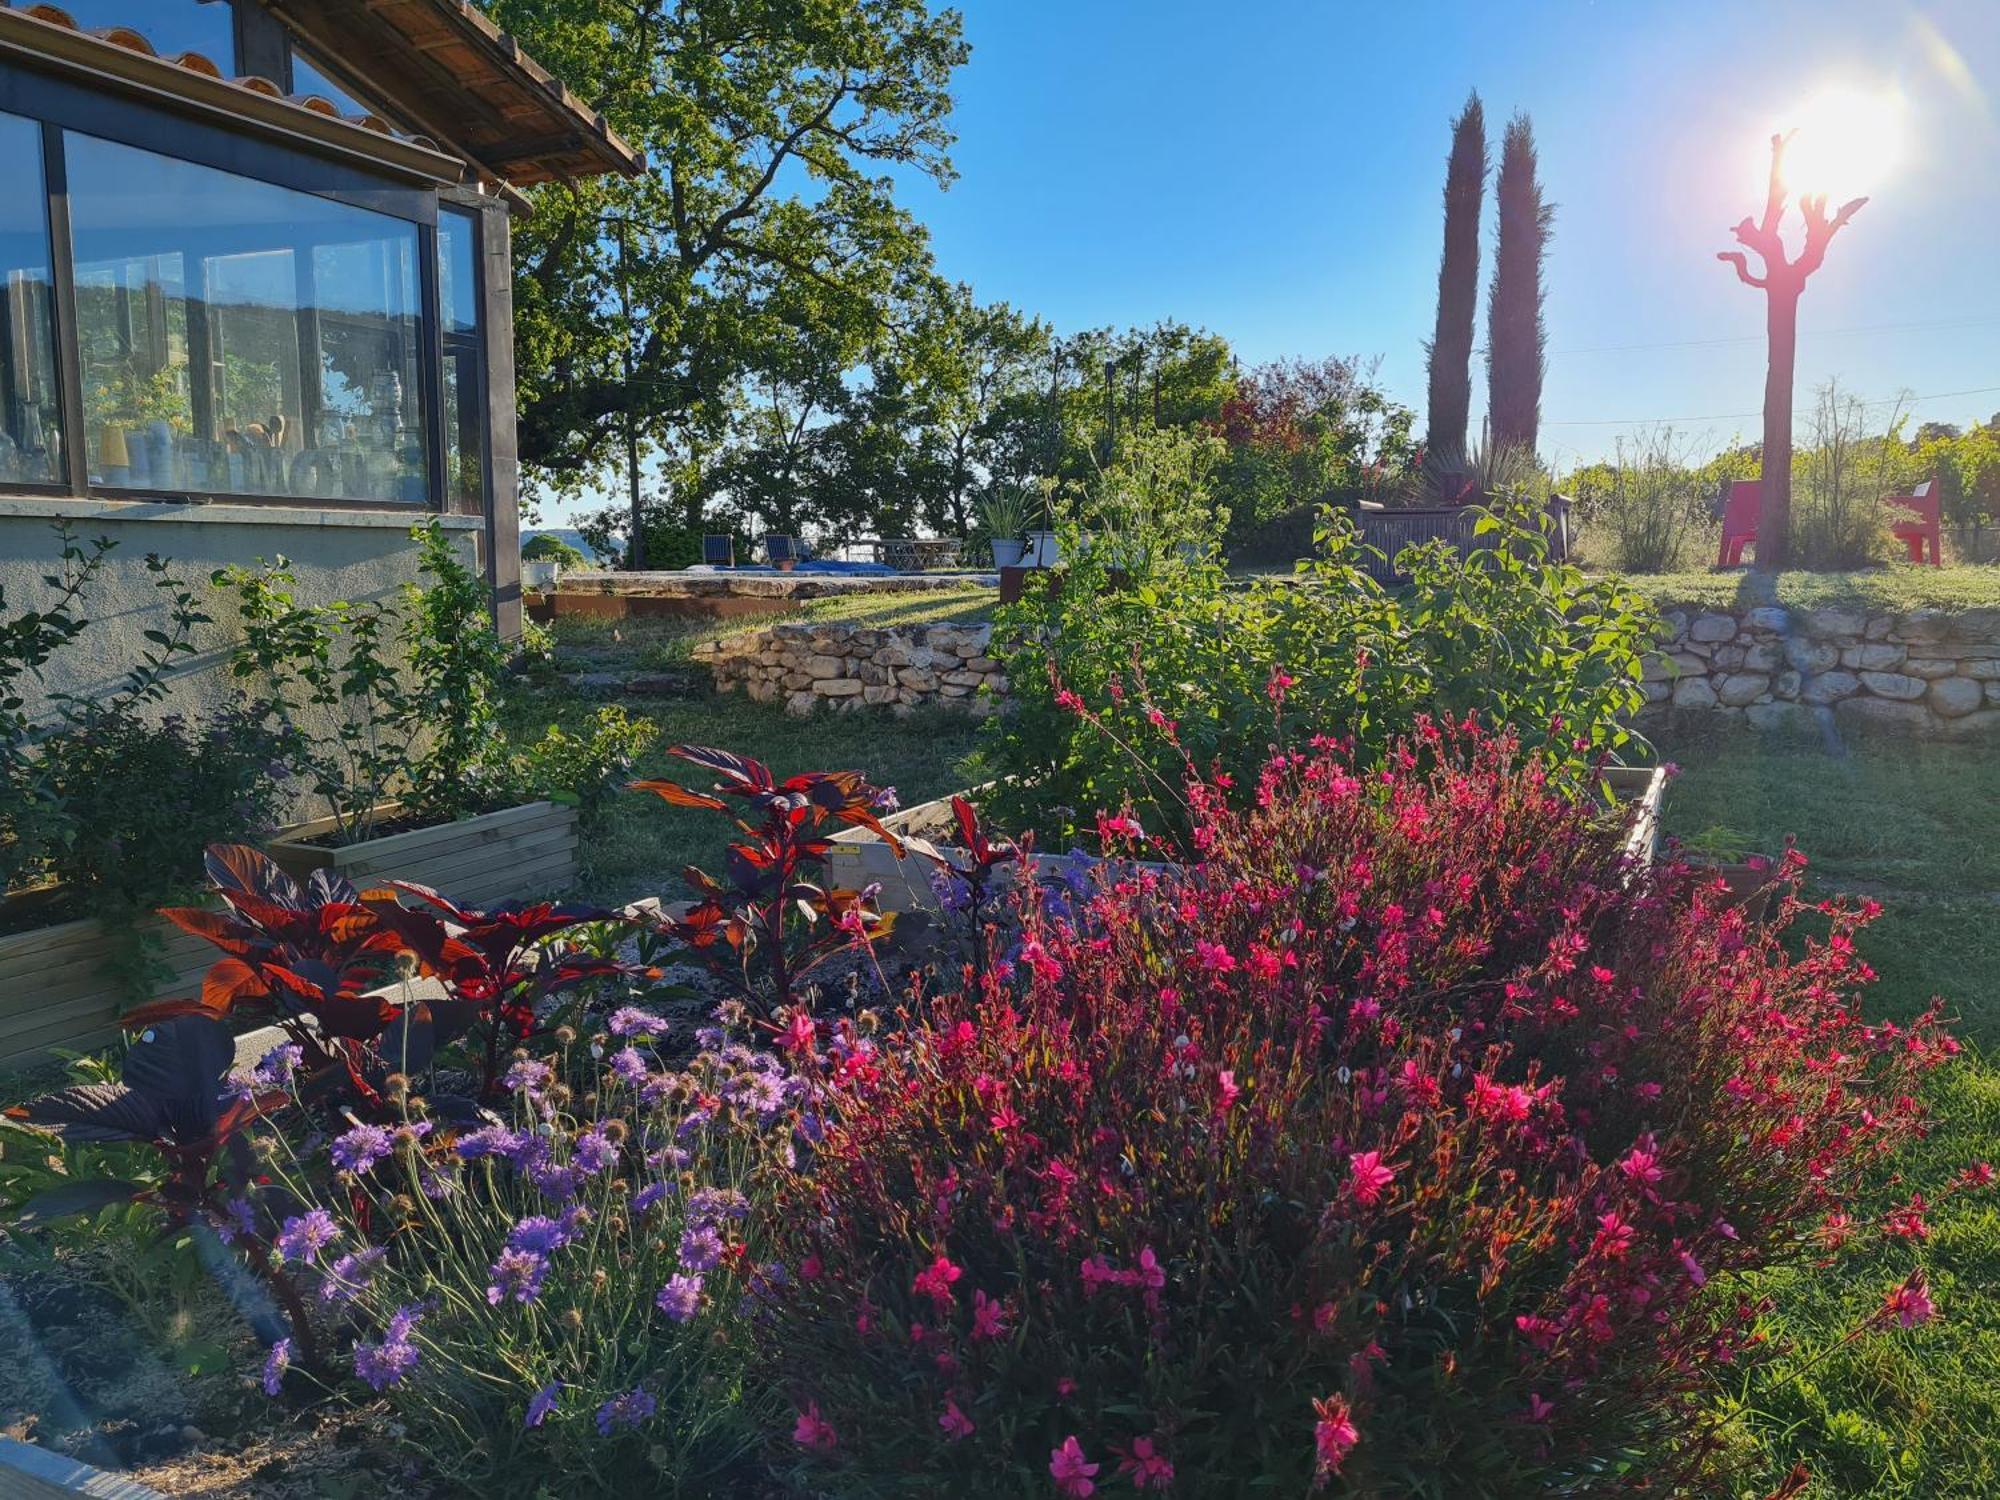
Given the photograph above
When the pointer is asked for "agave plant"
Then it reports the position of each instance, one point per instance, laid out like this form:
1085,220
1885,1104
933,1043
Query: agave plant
1450,476
773,912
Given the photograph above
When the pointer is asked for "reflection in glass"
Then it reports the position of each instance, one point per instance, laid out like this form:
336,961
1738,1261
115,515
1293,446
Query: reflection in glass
172,26
464,393
265,344
30,427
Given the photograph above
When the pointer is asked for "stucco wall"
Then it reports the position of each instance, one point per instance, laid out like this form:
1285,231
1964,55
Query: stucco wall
353,555
1927,672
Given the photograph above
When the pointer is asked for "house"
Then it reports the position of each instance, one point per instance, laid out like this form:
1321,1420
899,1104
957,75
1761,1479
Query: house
257,300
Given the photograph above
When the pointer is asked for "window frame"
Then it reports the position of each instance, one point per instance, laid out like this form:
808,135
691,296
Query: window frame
56,106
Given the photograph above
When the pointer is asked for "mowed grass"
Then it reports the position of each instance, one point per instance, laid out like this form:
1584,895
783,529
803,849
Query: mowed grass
1898,587
1908,1413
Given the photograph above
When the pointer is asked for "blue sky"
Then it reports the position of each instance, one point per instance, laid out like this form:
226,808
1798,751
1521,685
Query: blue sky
1271,169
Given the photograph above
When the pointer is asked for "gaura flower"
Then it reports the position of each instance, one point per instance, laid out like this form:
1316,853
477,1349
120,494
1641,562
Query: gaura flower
813,1432
935,1281
1910,1304
1367,1177
1146,1466
1074,1475
1334,1434
956,1424
988,1317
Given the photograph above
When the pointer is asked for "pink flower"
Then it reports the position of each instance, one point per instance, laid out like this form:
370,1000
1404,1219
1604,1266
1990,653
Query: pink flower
1641,1167
988,1317
935,1281
1538,1409
1123,826
1097,1275
1065,1388
956,1424
1907,1222
1226,1091
814,1432
1613,1238
1693,1267
1334,1434
1910,1303
1146,1466
1073,1475
1213,956
1066,699
1367,1177
1006,1118
1151,1274
1280,681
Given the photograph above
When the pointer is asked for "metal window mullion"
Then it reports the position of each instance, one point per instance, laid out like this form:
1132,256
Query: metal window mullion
67,333
432,329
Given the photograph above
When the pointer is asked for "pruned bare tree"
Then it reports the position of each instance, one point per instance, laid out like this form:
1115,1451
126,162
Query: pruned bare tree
1783,279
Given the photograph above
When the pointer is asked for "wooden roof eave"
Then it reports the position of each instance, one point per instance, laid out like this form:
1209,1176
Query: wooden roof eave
89,59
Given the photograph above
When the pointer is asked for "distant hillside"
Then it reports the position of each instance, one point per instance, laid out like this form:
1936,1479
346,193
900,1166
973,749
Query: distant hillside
566,534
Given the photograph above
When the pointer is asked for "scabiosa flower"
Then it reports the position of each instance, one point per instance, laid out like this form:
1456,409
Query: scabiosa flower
956,1424
630,1020
593,1151
628,1410
712,1205
1367,1177
1334,1434
389,1362
275,1068
491,1140
303,1236
1074,1474
360,1148
348,1276
814,1432
239,1219
279,1360
517,1274
936,1279
538,1234
700,1247
542,1404
649,1195
629,1067
680,1298
529,1076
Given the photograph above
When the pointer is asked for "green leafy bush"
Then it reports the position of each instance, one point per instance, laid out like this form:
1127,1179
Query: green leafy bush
1177,645
583,769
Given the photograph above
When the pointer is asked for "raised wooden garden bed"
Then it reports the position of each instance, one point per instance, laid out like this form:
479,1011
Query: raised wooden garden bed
508,855
54,991
859,858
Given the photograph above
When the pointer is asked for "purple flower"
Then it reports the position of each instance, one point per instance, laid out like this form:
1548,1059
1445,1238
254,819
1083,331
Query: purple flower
276,1363
303,1236
538,1234
362,1147
517,1274
543,1403
711,1205
492,1140
630,1067
349,1275
553,1182
529,1075
648,1195
241,1221
274,1070
629,1020
701,1248
680,1298
668,1156
593,1152
709,1038
387,1363
628,1410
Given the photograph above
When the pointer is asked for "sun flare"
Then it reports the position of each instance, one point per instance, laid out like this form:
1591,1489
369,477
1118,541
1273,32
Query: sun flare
1848,141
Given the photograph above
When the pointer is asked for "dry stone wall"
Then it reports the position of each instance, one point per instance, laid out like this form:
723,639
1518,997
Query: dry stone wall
846,668
1928,672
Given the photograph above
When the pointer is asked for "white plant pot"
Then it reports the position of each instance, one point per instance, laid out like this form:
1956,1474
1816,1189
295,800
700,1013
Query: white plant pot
540,574
1008,553
1043,550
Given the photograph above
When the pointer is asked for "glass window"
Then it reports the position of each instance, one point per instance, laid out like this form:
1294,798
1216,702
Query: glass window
309,78
30,425
464,387
242,338
172,26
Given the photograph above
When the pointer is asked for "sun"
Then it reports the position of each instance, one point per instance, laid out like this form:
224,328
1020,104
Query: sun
1848,142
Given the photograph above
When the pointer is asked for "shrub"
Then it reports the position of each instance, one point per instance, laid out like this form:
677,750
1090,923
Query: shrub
583,769
547,548
1413,1138
1652,505
1507,632
1839,479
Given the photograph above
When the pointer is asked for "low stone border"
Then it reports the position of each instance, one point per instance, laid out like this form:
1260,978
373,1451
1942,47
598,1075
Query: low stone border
606,595
1929,672
850,667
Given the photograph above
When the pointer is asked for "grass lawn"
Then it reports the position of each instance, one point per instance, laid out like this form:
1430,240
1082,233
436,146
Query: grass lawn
1907,1414
1895,588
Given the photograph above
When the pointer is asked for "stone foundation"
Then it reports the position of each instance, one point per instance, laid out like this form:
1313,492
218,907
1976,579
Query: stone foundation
846,668
1929,672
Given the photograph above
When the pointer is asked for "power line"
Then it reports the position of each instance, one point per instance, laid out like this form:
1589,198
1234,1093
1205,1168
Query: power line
1731,416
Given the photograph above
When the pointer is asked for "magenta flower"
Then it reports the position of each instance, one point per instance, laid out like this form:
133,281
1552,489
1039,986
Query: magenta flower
1367,1178
956,1424
1910,1304
1146,1466
989,1317
935,1281
1074,1475
1334,1434
813,1432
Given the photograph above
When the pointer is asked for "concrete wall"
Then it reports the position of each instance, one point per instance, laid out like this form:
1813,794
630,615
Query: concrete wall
845,668
1929,672
336,555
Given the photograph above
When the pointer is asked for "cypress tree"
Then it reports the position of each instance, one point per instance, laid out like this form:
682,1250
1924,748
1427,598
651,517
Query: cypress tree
1516,341
1450,350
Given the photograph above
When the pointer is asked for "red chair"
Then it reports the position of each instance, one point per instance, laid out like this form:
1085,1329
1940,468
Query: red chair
1739,521
1925,531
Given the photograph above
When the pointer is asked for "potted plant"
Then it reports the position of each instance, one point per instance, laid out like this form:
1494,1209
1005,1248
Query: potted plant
1004,513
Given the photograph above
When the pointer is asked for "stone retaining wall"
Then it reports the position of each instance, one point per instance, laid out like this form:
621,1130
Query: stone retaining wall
1928,672
849,667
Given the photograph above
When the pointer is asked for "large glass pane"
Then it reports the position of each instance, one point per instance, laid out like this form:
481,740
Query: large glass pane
464,359
242,338
172,26
30,428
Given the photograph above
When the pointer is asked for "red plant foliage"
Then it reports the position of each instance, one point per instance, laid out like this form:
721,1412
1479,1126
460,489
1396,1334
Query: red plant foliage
1413,1132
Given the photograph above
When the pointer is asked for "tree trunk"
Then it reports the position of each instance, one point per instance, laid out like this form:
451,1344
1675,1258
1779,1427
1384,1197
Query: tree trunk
1774,511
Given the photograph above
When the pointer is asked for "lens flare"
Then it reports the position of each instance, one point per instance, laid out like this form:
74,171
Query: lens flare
1848,142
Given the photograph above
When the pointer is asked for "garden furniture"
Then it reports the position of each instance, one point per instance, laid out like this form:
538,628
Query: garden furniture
719,551
785,552
1739,521
1921,531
